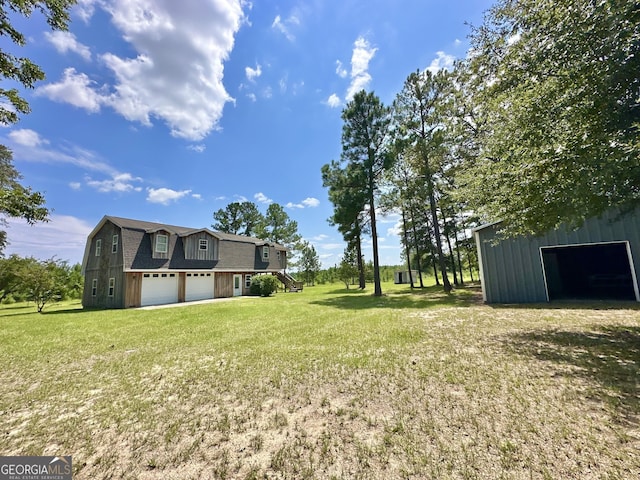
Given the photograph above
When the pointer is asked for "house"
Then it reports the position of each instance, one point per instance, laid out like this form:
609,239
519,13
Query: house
132,263
598,261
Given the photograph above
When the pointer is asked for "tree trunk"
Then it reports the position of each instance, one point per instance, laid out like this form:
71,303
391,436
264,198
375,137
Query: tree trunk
374,237
361,276
436,233
455,233
453,262
406,246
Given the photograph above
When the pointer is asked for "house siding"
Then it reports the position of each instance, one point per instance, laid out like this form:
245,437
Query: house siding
103,267
512,269
192,247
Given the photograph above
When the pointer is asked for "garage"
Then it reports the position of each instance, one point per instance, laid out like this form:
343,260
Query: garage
199,286
595,271
159,288
598,261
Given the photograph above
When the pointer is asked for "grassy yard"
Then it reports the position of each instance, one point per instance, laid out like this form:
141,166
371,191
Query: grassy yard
327,383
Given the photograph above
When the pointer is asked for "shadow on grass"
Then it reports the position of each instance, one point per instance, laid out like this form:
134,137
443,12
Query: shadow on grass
608,357
428,297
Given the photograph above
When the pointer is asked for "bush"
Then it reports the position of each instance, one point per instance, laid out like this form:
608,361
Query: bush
263,285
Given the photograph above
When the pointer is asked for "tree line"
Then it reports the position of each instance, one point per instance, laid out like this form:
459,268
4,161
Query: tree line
537,127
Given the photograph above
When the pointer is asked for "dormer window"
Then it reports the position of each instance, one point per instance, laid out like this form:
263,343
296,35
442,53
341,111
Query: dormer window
203,244
265,253
162,243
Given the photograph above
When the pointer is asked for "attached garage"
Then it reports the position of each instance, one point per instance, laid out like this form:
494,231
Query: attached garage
199,286
159,288
598,261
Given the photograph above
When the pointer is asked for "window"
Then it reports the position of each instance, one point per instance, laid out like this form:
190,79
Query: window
203,244
265,252
162,243
247,281
94,287
114,244
112,286
98,247
278,254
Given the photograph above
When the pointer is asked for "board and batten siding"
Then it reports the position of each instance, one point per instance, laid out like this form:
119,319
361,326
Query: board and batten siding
511,269
103,267
192,249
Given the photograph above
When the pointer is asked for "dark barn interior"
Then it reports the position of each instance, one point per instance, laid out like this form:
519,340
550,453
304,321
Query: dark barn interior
594,272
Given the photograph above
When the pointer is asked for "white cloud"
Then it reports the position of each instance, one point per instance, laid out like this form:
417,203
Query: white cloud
76,89
340,70
119,183
320,238
334,101
66,42
253,73
75,185
240,198
29,146
27,137
197,196
362,54
442,61
309,202
267,92
177,72
63,237
165,196
252,97
199,148
262,198
284,26
84,9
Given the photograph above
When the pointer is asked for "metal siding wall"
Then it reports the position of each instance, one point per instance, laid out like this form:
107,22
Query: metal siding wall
513,269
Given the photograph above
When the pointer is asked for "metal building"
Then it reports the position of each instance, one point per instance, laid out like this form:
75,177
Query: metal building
598,261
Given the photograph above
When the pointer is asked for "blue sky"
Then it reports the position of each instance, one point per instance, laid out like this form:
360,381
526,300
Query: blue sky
166,111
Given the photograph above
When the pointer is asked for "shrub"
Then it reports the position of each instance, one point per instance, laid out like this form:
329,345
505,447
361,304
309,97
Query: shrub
263,285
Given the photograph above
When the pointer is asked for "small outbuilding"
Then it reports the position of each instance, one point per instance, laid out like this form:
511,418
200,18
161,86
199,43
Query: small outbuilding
402,277
598,261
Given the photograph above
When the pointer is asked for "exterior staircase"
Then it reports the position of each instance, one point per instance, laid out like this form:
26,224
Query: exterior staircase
289,282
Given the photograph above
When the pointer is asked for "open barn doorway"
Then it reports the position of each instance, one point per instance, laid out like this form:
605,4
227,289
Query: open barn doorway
600,271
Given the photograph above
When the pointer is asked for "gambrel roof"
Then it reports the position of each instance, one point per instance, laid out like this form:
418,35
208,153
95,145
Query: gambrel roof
235,251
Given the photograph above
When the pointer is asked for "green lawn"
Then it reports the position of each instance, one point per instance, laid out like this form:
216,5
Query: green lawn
327,383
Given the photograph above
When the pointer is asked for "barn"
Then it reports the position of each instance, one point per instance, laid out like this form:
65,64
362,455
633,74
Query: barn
598,261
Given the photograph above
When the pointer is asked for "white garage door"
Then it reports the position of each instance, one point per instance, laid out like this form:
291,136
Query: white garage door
159,288
199,286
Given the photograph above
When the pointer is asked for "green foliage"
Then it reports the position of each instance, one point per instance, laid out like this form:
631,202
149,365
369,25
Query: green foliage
348,268
263,285
554,90
16,200
422,142
309,264
278,227
239,218
39,281
365,153
19,69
